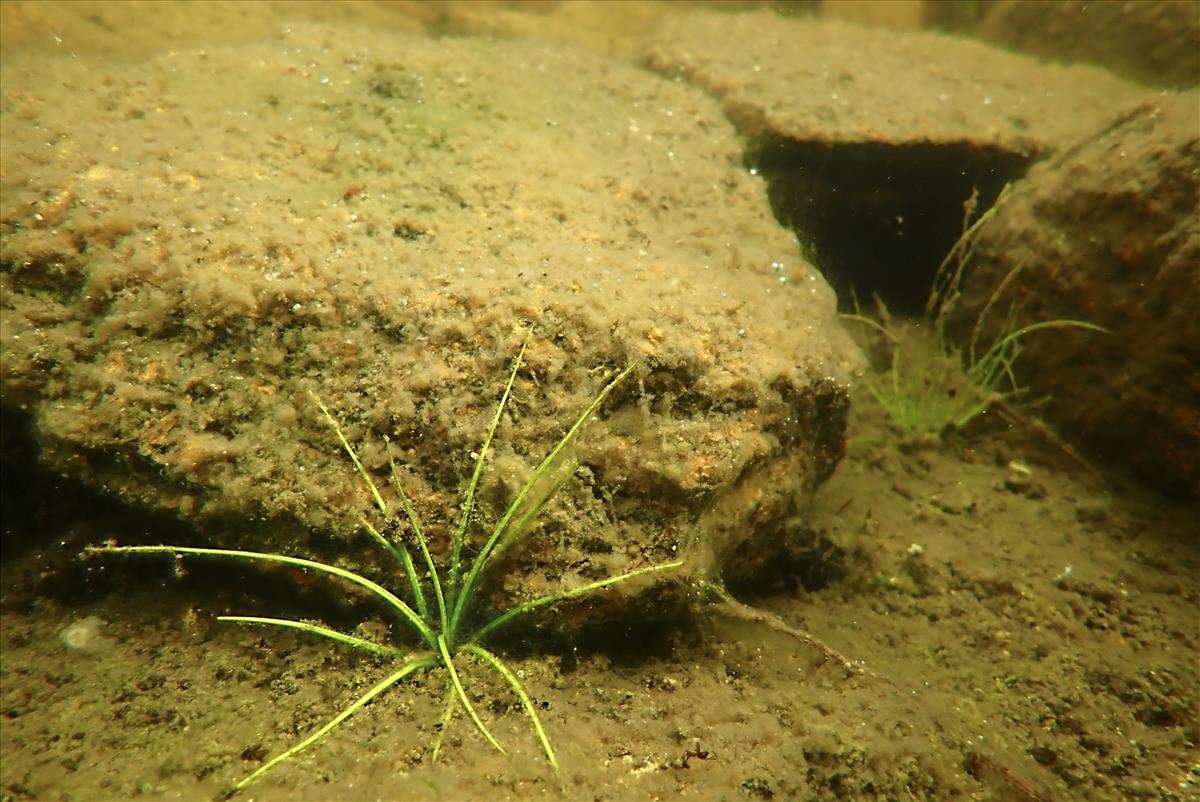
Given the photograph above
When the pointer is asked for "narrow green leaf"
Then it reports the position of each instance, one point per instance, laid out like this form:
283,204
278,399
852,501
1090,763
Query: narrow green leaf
314,629
490,550
555,598
503,670
282,559
469,501
350,710
448,662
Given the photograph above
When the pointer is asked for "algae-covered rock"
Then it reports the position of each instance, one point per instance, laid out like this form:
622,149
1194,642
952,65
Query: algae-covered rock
1108,232
194,244
837,83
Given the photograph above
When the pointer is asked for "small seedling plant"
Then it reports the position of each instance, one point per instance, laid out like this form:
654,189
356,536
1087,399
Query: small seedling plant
930,385
440,609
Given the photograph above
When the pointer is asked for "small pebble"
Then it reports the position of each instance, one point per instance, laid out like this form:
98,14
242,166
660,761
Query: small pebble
87,635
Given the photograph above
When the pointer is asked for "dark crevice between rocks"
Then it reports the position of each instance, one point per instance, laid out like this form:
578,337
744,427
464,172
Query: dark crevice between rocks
49,519
877,219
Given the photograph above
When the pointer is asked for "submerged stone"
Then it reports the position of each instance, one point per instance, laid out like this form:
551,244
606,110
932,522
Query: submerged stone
196,243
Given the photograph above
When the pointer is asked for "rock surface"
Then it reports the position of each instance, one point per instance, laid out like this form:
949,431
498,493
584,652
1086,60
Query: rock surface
806,80
1108,231
1154,41
194,244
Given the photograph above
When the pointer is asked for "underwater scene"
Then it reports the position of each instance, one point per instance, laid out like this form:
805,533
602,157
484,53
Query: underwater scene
600,401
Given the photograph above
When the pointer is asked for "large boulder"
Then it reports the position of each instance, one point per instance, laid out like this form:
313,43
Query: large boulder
193,245
1108,232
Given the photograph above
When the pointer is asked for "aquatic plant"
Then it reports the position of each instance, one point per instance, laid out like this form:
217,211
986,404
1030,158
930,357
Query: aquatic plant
443,598
931,385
